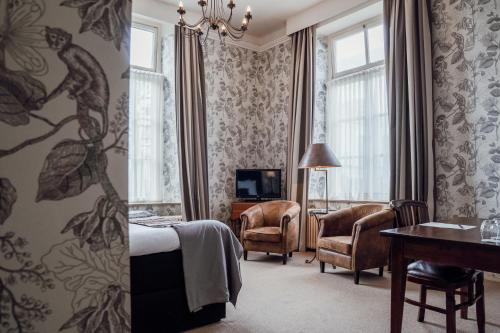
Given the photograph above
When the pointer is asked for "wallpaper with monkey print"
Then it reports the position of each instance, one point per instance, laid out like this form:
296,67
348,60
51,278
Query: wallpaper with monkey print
64,262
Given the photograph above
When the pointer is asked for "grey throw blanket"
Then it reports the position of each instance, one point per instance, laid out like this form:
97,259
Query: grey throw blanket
210,258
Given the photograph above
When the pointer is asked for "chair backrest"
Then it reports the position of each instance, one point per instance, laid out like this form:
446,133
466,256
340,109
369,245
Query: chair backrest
360,211
410,212
274,210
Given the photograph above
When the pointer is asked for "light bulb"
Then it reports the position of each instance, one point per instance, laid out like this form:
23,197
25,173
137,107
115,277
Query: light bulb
181,4
245,21
249,9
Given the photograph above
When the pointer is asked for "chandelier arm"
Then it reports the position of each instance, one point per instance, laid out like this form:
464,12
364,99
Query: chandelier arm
234,29
204,11
194,26
206,35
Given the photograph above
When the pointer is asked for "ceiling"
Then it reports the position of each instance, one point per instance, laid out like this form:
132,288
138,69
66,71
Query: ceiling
268,15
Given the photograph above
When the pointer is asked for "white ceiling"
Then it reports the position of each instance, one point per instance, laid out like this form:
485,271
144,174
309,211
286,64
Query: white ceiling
268,15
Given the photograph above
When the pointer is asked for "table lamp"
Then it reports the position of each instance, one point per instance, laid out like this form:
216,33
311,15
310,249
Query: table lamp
320,157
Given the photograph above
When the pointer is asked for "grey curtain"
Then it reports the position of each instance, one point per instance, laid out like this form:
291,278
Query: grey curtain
300,120
408,50
191,126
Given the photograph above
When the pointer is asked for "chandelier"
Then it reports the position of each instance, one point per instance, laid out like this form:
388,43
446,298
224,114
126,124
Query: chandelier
214,17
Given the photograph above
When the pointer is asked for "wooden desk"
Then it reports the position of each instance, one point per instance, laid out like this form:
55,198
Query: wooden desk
442,246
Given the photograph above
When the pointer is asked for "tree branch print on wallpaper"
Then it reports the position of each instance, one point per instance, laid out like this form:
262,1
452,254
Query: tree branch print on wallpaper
466,38
93,264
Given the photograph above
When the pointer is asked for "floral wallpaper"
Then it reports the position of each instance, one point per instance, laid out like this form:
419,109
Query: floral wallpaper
466,60
64,261
247,96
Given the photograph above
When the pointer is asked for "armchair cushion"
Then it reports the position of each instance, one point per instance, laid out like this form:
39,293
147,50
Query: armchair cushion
264,234
340,244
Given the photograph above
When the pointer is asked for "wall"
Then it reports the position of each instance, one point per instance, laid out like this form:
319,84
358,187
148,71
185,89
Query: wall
247,97
63,174
466,37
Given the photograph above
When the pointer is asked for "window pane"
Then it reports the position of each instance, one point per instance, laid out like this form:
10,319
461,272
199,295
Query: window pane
143,48
357,129
350,52
376,43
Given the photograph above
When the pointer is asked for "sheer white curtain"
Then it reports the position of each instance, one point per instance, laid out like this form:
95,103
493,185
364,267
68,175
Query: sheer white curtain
358,132
146,137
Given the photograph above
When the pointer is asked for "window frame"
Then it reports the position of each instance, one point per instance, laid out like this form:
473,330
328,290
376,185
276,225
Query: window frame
155,29
354,29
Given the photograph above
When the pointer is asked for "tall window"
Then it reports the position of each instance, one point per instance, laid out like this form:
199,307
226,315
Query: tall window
146,106
357,117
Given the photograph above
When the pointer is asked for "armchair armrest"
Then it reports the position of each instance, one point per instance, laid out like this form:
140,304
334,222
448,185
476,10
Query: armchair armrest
369,248
252,218
290,213
338,223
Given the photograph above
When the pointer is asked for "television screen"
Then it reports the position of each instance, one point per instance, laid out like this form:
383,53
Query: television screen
258,183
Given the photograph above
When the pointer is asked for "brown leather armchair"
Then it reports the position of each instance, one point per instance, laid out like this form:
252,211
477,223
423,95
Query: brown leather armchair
271,226
350,238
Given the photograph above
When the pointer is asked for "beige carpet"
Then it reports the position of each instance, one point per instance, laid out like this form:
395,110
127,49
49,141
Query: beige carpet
297,298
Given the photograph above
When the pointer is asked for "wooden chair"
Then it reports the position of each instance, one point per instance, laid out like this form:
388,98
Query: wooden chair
467,283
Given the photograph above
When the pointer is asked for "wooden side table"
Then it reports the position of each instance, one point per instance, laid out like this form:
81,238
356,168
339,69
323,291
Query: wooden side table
313,217
238,207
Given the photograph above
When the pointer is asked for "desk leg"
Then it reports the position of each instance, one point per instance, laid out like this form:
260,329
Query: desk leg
398,281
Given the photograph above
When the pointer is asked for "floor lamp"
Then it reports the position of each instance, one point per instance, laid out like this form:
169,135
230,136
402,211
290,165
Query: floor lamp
320,157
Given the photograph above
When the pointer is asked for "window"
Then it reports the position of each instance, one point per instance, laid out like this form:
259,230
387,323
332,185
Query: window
357,118
153,170
360,48
143,52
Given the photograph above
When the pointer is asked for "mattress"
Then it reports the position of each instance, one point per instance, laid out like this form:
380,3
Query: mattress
147,240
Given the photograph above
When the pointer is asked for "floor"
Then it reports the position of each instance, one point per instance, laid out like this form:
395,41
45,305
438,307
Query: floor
296,298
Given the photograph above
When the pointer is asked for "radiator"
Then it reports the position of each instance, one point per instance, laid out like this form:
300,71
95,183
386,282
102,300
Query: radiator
311,232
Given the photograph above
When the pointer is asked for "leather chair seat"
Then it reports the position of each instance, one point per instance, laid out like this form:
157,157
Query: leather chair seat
340,244
440,273
264,234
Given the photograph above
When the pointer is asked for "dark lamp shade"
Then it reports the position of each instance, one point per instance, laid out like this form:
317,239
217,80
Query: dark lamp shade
319,155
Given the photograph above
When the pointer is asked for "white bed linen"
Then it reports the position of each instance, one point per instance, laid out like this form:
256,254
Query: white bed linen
147,240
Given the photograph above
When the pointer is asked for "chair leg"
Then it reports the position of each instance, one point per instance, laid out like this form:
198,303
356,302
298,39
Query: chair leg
245,255
267,253
321,266
423,301
465,293
451,320
285,257
356,277
290,254
381,271
334,267
480,304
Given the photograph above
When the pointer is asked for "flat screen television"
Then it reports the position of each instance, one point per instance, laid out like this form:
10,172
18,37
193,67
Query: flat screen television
258,183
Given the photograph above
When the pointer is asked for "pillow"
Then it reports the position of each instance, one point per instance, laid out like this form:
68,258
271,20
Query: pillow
138,214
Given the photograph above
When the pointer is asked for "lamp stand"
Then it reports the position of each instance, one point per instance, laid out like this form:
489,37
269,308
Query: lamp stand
308,261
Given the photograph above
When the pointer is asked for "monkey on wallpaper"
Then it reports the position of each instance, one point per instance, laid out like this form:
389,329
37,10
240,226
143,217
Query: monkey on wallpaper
85,82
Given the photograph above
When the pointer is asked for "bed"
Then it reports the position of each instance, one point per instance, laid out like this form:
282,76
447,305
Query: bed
159,302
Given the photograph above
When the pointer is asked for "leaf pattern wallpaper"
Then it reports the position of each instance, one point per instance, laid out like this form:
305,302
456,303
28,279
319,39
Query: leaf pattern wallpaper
466,61
63,166
247,116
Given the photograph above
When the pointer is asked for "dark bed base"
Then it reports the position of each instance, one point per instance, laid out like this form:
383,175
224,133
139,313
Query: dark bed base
159,301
